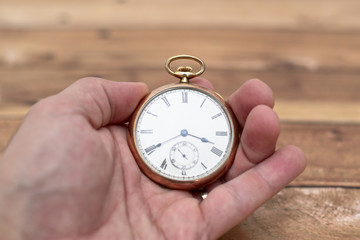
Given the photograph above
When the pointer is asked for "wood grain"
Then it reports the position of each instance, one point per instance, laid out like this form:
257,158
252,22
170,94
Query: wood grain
304,213
311,83
331,150
308,52
24,86
277,14
235,50
7,129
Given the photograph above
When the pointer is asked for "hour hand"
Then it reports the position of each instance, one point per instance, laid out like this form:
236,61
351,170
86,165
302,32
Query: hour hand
204,140
185,133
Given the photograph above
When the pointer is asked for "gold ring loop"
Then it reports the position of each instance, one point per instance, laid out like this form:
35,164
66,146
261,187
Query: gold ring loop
170,60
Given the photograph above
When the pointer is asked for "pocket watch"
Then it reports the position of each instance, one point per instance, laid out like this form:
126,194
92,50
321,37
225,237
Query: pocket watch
182,135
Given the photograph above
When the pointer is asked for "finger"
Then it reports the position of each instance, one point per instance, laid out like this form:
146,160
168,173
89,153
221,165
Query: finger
230,203
100,101
202,82
252,93
261,131
258,140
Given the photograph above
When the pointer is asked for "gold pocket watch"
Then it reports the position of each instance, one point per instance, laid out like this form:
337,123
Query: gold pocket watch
183,136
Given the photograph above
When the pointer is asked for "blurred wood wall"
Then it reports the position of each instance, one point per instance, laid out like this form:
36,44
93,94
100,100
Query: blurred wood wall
307,51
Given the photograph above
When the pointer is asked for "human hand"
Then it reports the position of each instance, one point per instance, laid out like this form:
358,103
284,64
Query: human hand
68,172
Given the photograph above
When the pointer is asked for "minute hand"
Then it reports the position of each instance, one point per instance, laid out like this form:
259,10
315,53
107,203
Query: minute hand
159,144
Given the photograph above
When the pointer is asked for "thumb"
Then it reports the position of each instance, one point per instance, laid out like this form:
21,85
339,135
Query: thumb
101,101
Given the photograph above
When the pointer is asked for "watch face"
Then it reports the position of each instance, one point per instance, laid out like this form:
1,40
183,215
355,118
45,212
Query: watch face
183,134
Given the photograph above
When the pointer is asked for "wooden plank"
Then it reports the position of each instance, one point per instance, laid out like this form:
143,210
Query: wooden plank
7,129
332,151
24,86
319,111
95,14
13,112
18,96
310,97
304,213
288,111
235,50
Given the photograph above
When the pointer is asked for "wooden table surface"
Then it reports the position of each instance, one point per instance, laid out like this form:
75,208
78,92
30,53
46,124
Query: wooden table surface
307,51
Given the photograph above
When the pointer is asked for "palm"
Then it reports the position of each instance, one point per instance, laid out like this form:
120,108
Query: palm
150,210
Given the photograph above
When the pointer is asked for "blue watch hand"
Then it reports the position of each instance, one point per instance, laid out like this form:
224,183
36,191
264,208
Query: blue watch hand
159,144
184,133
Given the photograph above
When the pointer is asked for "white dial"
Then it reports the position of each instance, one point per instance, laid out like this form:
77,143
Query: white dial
183,134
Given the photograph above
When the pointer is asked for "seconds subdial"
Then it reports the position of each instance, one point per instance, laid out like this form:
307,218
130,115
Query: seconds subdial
184,155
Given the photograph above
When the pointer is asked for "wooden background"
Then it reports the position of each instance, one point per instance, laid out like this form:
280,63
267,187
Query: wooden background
308,51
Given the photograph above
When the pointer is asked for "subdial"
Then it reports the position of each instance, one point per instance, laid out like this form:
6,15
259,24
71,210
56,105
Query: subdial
184,155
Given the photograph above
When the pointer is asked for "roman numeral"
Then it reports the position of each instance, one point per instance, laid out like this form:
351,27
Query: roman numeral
166,101
215,116
203,165
163,164
147,131
152,114
150,149
203,102
221,133
184,97
216,151
183,172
